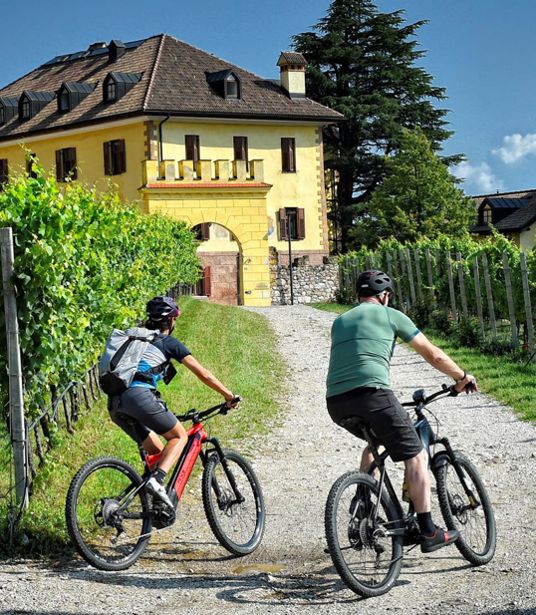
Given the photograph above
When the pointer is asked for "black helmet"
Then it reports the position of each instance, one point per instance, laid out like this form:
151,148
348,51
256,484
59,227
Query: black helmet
370,283
161,308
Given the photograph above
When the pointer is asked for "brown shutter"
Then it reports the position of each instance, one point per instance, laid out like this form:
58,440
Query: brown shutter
107,158
192,147
206,281
70,162
205,231
4,172
292,155
284,154
121,156
300,223
60,175
283,234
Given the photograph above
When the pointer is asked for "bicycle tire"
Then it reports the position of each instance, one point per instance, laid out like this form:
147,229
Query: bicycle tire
471,544
238,526
342,521
104,537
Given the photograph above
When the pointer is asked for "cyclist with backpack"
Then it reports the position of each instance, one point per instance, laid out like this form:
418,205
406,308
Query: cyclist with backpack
358,387
138,409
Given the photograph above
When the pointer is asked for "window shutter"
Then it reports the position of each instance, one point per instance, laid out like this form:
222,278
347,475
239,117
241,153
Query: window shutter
121,156
108,158
206,281
205,231
70,162
192,147
300,223
284,154
60,175
4,173
283,234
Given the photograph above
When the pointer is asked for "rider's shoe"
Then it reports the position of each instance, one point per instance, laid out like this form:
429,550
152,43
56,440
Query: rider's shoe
440,538
158,490
361,503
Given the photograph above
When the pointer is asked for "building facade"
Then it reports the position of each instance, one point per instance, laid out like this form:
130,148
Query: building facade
183,133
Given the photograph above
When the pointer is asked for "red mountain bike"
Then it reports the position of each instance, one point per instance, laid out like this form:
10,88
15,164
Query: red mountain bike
110,515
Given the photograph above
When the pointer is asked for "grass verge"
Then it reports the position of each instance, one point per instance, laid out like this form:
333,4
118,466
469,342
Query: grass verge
236,345
511,382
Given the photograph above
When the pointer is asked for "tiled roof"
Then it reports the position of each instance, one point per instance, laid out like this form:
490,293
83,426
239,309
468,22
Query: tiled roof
520,219
291,57
517,194
173,81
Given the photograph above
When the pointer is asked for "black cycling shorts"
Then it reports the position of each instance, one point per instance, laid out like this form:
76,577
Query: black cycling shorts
382,412
138,411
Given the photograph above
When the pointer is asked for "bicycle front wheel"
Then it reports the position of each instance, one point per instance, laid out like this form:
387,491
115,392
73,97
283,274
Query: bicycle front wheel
233,502
107,514
364,549
469,512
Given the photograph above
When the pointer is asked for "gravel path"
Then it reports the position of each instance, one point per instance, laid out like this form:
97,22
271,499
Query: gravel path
185,571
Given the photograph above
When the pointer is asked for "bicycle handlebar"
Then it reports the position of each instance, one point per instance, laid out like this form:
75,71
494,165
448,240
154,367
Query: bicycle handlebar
196,415
419,398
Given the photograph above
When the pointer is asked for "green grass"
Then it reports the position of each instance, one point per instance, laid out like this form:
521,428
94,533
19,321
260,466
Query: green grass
236,345
509,381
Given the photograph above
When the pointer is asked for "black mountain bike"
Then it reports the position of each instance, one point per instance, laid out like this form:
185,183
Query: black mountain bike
367,526
110,515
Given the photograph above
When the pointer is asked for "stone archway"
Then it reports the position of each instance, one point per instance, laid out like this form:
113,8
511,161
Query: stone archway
240,208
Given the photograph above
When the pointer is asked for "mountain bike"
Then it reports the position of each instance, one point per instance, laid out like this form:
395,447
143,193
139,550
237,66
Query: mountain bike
110,515
367,527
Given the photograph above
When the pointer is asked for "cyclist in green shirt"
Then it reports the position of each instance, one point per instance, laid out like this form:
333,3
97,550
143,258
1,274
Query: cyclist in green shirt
358,385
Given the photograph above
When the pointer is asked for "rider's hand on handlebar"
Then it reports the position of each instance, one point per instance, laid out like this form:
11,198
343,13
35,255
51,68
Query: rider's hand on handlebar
233,401
467,384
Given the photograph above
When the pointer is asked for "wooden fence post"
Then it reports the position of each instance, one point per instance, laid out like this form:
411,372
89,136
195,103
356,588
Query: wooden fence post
417,255
526,296
478,296
398,285
489,293
16,400
461,280
451,288
429,273
403,276
410,277
510,299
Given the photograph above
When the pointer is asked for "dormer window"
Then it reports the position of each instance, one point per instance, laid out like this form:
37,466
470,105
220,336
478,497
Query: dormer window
30,103
8,108
72,93
117,85
109,93
487,215
26,110
226,83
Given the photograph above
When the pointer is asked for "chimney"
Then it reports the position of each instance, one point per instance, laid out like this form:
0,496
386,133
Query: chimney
116,49
292,66
98,45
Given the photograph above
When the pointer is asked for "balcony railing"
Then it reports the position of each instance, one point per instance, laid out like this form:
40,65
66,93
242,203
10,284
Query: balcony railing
205,171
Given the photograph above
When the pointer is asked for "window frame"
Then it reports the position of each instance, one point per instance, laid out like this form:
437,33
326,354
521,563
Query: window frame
235,82
110,85
25,109
297,230
64,96
241,147
192,146
288,155
115,157
487,215
66,164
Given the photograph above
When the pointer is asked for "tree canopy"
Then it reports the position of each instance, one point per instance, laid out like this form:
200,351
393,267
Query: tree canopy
418,198
362,63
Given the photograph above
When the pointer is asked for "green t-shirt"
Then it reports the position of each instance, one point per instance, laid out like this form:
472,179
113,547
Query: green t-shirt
362,344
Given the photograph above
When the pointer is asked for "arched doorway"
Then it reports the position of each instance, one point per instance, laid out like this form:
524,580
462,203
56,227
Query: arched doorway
221,258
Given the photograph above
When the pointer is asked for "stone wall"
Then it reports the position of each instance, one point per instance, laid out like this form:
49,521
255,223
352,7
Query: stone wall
311,283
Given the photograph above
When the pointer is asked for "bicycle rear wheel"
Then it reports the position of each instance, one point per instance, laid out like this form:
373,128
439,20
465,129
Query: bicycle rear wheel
366,555
108,516
235,512
473,518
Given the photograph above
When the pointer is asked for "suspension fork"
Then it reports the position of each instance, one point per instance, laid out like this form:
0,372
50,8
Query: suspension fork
230,476
453,461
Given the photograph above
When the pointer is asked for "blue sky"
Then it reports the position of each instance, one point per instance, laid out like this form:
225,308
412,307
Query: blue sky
481,51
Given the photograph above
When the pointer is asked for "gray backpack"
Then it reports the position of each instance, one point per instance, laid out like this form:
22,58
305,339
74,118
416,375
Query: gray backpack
121,357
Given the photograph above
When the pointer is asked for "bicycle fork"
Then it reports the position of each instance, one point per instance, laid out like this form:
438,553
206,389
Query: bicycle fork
239,498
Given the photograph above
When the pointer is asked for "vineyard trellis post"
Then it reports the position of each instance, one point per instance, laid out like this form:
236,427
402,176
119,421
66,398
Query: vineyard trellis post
417,255
478,296
526,295
510,299
429,274
489,293
461,280
451,287
16,399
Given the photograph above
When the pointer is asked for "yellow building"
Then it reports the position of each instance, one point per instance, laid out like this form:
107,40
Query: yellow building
511,213
181,132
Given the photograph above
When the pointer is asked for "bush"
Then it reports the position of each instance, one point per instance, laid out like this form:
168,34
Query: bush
84,263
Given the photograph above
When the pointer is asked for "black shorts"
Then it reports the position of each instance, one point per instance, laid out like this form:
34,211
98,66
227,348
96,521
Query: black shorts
138,411
382,412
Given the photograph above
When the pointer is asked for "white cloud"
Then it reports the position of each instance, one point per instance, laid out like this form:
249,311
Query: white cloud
515,147
481,176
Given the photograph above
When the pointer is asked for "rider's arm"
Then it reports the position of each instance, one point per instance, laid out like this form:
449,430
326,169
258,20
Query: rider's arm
207,377
441,361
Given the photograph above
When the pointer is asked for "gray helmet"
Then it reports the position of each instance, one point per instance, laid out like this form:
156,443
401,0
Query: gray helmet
371,283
